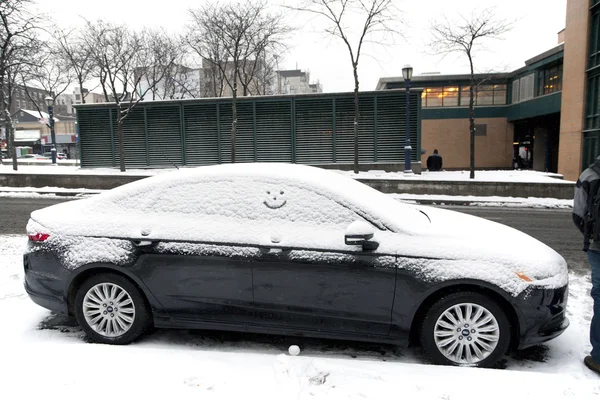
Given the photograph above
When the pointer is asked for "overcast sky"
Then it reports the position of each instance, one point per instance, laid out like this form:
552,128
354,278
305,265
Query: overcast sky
536,25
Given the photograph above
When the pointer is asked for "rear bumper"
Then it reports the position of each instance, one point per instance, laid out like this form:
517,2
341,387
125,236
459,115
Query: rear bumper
45,281
542,315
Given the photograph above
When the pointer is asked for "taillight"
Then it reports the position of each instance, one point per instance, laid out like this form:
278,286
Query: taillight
39,237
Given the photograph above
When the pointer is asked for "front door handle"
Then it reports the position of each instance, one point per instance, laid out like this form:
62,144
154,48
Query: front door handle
274,250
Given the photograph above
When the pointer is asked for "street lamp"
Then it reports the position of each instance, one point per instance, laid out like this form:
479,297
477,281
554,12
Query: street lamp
49,103
407,72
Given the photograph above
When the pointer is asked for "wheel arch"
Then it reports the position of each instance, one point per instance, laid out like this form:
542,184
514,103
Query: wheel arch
81,274
498,295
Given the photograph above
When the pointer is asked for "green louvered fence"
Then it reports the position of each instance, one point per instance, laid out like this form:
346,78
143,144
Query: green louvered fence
306,129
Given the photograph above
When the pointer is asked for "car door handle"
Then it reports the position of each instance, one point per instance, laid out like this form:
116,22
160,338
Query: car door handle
144,243
273,250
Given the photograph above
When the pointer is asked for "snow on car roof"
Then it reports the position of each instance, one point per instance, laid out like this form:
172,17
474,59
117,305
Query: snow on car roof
381,208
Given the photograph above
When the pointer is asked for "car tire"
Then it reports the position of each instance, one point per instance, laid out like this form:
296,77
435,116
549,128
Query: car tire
111,309
465,329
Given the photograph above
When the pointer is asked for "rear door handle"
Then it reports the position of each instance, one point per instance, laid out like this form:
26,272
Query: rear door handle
144,243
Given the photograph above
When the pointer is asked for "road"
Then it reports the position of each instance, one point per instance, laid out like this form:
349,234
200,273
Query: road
551,226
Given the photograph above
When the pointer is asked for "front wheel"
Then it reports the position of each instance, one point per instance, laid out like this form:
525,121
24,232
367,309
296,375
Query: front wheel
111,310
465,329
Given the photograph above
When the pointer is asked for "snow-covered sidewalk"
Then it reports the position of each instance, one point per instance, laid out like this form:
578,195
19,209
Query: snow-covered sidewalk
521,176
46,356
477,201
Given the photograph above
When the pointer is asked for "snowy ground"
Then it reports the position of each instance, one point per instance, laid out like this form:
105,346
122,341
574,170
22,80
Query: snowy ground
524,176
484,176
483,201
45,355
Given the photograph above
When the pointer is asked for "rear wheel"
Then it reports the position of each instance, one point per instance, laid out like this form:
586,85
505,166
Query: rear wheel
465,329
112,310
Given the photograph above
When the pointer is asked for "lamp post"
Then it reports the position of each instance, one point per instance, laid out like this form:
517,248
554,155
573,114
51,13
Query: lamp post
407,72
49,103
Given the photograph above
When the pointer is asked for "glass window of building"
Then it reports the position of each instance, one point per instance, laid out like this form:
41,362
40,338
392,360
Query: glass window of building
450,96
433,97
464,96
550,80
485,95
499,94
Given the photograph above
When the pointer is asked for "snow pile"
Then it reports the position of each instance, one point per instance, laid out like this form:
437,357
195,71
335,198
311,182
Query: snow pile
486,201
528,176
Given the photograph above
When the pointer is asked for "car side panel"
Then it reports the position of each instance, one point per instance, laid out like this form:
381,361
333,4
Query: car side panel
325,291
199,287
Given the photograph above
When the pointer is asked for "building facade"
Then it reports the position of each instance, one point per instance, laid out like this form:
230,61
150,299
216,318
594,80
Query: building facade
89,97
545,115
64,104
517,115
296,81
26,98
31,130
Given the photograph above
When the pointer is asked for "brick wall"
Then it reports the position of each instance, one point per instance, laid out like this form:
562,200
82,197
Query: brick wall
451,138
573,93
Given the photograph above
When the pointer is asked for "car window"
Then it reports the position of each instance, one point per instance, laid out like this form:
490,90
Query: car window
249,199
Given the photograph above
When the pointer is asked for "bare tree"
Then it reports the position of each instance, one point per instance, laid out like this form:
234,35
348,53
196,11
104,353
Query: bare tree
18,42
71,46
123,58
176,82
465,36
266,77
232,39
51,73
376,16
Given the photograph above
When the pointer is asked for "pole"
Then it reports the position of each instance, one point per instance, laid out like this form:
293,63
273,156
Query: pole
407,146
52,135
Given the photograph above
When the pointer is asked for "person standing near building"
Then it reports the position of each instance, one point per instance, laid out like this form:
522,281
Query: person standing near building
434,161
586,216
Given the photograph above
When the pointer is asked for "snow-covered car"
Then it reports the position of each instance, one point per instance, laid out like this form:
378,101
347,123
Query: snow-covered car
293,250
59,156
34,157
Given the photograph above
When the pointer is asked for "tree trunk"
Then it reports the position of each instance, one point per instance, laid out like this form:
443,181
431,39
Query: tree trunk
356,118
81,92
121,142
472,121
10,139
234,120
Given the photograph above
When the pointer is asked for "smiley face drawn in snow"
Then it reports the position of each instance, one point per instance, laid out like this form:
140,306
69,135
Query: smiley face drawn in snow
275,199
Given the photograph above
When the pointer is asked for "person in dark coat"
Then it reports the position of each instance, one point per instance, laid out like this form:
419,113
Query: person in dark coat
586,187
434,161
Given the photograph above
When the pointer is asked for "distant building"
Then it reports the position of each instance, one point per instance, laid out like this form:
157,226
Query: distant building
31,129
64,104
180,82
21,99
296,81
89,97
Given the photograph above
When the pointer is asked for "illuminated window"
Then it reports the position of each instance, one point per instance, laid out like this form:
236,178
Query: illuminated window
450,96
433,97
485,95
550,80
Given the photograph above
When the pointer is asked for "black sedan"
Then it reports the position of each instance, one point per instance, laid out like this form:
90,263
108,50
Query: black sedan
293,250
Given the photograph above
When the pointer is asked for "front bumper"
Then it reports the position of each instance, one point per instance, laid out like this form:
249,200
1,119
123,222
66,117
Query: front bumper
45,281
542,315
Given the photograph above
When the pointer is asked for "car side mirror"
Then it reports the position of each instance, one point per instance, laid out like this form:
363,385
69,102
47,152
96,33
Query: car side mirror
360,233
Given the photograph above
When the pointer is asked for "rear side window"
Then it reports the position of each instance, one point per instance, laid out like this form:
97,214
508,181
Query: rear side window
253,199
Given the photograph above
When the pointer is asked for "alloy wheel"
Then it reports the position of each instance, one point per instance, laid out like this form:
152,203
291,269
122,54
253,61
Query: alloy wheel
466,333
108,309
